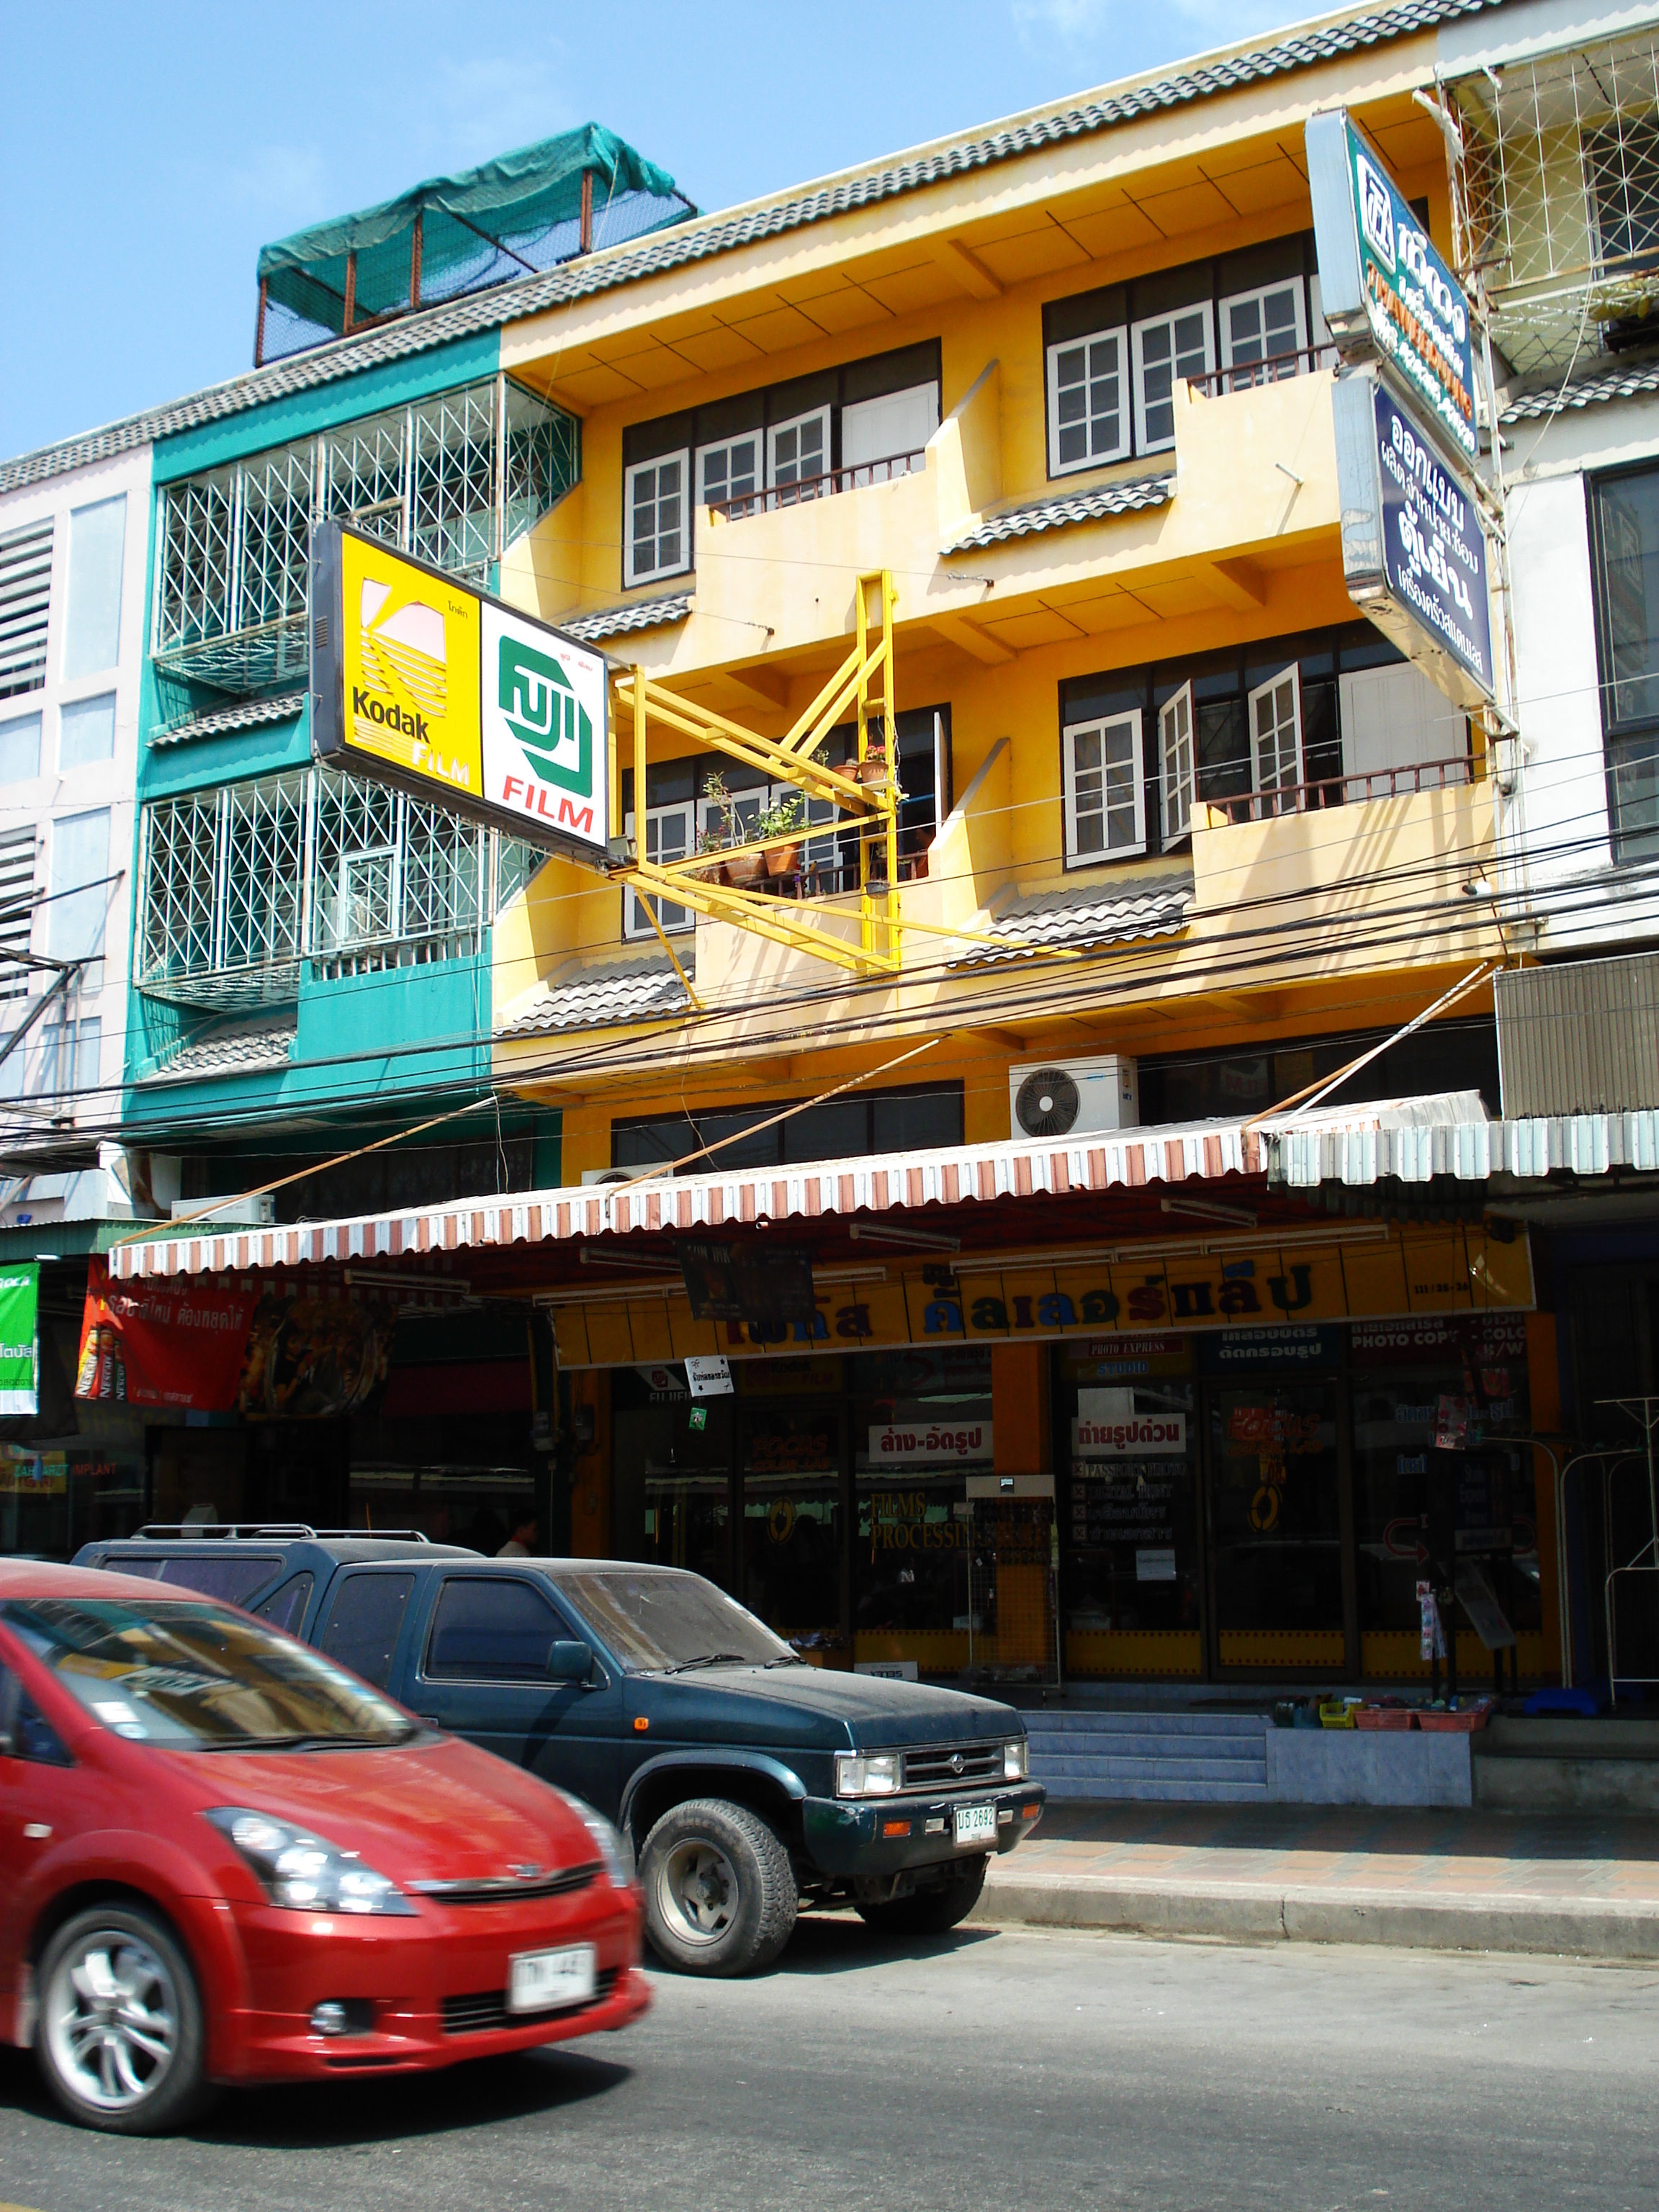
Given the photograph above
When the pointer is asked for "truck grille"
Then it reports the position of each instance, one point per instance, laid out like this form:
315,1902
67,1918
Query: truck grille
952,1766
478,2014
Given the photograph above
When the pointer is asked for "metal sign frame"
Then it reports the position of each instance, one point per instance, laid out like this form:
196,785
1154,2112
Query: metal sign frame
507,724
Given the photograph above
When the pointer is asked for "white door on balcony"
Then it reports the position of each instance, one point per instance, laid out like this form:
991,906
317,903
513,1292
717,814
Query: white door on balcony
730,472
1261,327
1276,766
798,454
1177,770
1168,348
1394,723
884,438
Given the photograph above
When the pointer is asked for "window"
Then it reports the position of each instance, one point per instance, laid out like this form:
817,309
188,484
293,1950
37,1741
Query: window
1260,328
1625,515
80,862
798,453
901,1121
1176,777
1275,708
286,1608
234,1578
16,908
25,1731
86,732
1166,348
884,438
1105,790
668,838
658,542
68,1055
1088,401
20,748
363,1623
92,639
729,472
491,1630
1623,168
25,604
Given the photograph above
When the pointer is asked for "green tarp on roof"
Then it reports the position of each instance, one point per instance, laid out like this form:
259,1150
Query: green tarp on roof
515,202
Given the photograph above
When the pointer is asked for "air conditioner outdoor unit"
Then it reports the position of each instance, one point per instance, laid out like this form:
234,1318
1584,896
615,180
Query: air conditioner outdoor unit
256,1213
1074,1097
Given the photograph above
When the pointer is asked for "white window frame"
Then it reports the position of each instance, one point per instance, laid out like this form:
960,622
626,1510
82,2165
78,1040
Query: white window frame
676,920
776,430
1260,293
1075,857
1143,442
1119,334
632,573
755,438
1259,782
1178,778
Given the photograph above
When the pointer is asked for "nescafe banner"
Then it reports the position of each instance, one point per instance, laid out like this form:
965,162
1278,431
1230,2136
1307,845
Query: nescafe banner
268,1354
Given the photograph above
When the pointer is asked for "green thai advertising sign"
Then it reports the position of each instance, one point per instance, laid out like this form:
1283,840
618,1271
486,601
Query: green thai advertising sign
20,1357
1385,291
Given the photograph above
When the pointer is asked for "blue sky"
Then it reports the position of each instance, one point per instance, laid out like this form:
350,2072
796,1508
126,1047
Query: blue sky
149,151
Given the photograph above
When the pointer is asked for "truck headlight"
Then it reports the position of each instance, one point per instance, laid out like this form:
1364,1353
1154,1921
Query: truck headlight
302,1872
1016,1760
866,1773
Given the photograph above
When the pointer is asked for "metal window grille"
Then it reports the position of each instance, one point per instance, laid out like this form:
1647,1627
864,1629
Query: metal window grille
1557,197
179,870
25,604
516,863
258,907
438,479
17,850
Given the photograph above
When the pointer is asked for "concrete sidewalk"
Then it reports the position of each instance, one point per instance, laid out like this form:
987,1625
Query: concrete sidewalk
1582,1886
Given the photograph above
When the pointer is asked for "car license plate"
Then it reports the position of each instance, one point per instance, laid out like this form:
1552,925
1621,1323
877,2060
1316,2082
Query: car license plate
976,1824
540,1981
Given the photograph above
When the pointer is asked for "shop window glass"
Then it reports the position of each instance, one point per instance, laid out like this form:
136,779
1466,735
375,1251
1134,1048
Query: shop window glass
1434,1402
363,1622
671,1495
1129,1518
790,1533
92,639
1275,1519
921,1423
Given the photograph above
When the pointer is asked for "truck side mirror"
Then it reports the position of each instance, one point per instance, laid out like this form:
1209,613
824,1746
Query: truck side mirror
569,1662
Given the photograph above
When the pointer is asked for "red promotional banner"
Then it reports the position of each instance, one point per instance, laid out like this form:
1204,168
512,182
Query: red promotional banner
155,1344
269,1355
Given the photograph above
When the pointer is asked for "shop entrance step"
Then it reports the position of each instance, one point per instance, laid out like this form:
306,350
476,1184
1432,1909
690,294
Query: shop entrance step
1195,1758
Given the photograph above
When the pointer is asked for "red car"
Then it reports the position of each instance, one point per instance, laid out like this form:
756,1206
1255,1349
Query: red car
224,1859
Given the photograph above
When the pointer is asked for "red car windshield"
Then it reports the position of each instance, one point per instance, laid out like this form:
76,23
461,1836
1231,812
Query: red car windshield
194,1677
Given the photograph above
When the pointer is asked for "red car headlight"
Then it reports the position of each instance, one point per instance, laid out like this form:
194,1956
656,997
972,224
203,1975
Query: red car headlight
302,1873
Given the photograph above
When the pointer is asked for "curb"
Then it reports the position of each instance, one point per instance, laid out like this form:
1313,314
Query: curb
1603,1929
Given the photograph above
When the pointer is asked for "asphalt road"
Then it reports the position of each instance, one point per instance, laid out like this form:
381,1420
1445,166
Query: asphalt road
1021,2069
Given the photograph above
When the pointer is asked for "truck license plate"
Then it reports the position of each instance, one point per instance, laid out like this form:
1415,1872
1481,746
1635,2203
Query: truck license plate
976,1824
541,1981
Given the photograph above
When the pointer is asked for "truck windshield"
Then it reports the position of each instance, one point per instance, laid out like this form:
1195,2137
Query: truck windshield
193,1677
654,1621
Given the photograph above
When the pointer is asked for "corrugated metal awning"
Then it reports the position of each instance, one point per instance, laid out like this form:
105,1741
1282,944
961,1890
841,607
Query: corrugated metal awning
1413,1140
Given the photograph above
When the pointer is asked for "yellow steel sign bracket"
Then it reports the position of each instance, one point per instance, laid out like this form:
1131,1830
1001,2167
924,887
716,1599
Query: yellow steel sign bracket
866,794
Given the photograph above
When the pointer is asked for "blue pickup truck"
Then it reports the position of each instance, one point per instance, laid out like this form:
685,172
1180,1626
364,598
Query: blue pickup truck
745,1783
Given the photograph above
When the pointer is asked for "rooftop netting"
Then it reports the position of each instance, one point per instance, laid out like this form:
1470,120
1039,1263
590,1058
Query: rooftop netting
520,213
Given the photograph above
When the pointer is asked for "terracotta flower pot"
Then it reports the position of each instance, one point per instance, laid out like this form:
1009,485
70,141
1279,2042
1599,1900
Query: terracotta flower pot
783,860
744,869
870,770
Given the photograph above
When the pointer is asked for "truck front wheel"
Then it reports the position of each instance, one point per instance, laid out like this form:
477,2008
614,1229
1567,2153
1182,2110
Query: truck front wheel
930,1912
719,1891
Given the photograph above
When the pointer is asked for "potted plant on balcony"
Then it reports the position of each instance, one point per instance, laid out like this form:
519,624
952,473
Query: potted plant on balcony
724,835
871,770
782,861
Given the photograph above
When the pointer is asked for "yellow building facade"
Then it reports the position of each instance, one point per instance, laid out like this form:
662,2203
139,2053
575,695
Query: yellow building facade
1169,820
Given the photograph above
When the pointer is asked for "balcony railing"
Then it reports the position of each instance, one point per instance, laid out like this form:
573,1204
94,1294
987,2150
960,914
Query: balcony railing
824,486
1244,375
1344,790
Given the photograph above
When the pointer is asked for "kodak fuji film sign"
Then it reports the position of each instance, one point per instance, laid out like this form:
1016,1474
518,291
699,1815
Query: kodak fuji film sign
420,681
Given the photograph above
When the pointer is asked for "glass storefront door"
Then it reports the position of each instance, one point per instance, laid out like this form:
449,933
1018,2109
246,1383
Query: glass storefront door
792,1529
1276,1525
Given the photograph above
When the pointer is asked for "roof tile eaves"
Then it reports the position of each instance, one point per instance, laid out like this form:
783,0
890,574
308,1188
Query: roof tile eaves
671,249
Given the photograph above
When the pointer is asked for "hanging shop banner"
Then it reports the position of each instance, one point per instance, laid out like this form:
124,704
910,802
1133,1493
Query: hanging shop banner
1413,552
420,681
19,1338
1449,1270
204,1347
1384,291
929,1444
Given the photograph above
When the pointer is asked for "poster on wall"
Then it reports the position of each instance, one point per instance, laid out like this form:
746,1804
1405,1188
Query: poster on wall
19,1338
421,682
268,1354
1413,550
1384,290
